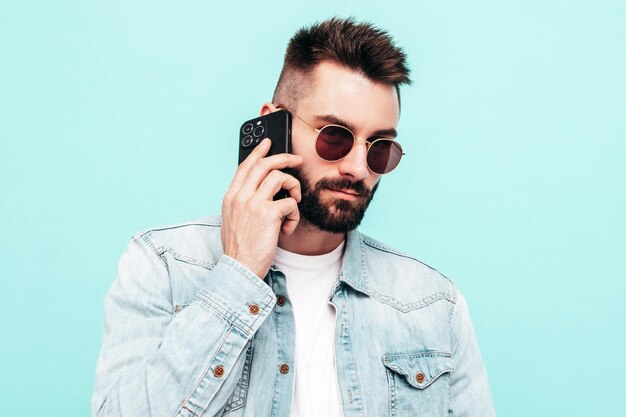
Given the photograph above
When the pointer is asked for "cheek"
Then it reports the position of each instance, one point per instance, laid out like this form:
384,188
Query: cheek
372,180
310,164
303,146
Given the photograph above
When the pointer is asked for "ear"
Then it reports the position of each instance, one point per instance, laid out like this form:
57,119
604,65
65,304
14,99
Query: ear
268,108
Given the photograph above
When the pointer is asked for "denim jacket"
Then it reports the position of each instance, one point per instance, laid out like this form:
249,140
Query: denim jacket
191,332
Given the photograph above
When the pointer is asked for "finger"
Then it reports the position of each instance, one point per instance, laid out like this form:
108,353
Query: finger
263,167
290,214
277,180
244,168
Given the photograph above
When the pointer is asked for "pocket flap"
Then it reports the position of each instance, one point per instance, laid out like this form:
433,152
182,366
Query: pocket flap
420,368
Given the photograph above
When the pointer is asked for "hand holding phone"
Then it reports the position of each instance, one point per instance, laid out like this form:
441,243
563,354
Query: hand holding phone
277,127
252,218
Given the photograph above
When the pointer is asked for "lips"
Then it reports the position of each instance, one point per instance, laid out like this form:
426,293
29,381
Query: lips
344,187
346,191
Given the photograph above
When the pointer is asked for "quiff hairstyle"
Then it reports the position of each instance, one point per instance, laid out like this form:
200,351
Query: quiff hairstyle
361,47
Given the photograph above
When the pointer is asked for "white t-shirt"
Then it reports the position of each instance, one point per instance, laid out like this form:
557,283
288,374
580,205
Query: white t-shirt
310,280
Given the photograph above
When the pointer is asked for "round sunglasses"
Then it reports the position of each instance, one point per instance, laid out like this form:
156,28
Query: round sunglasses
334,142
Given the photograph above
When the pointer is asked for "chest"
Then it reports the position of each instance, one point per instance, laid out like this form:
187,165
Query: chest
388,362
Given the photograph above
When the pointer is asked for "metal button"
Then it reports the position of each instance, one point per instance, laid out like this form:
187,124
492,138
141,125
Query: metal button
254,309
280,300
420,377
218,372
284,368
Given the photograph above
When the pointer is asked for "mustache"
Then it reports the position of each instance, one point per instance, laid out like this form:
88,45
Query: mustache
358,187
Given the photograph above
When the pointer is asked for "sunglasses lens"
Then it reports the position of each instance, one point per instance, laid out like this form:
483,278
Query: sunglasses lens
383,156
333,143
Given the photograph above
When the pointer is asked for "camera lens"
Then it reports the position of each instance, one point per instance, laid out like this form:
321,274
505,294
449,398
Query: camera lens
258,131
246,141
247,128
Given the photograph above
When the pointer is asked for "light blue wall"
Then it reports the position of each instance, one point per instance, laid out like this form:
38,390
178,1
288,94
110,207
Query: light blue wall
121,115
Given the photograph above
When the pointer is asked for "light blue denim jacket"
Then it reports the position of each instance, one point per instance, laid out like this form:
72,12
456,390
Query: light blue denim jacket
191,332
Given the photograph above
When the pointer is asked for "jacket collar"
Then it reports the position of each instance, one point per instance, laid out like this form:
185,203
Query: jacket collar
353,271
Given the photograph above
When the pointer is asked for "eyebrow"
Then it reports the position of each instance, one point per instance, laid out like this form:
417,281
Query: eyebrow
332,119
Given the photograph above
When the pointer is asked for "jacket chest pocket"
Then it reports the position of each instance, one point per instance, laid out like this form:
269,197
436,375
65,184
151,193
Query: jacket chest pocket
418,383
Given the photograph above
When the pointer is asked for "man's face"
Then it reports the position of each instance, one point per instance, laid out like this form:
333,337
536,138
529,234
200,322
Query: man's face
336,194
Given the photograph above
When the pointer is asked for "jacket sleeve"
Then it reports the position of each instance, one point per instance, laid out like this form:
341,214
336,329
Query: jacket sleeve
469,387
154,363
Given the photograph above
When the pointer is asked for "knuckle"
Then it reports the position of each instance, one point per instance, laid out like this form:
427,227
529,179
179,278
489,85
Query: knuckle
264,163
274,175
227,200
238,201
246,163
295,182
278,159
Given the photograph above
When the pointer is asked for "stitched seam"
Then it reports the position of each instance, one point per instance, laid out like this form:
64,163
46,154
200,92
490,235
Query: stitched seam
187,409
204,374
220,311
364,267
426,354
356,369
146,238
180,226
392,393
453,305
448,396
277,329
413,305
376,245
383,248
432,379
186,259
362,288
243,383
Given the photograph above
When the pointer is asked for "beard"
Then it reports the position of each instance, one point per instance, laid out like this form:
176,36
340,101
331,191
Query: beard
337,216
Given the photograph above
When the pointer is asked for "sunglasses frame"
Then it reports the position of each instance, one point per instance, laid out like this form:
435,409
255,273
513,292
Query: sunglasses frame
356,141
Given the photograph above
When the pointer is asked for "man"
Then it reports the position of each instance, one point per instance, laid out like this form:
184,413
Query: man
281,307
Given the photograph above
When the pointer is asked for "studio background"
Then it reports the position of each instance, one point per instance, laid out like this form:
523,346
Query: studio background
120,116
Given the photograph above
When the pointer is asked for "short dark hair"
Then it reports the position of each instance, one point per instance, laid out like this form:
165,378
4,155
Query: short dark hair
361,47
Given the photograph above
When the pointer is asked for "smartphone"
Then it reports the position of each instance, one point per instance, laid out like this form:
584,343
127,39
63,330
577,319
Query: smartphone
276,126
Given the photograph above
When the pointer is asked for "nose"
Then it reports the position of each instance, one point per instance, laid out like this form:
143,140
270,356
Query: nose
354,165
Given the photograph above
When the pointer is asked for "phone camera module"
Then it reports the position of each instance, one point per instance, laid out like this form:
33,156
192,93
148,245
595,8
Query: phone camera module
247,141
247,128
258,131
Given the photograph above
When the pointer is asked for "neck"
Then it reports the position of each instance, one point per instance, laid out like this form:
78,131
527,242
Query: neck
309,240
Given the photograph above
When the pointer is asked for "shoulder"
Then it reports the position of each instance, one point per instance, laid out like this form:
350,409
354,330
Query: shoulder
198,242
402,277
